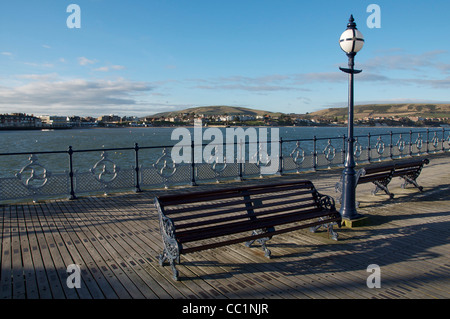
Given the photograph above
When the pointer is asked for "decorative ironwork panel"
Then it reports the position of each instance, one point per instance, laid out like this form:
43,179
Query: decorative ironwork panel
252,169
34,181
33,175
357,149
87,182
418,147
149,177
12,188
329,152
400,148
105,170
434,144
222,171
331,161
182,175
379,151
289,163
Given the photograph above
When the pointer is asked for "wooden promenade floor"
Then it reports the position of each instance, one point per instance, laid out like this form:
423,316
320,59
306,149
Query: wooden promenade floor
115,241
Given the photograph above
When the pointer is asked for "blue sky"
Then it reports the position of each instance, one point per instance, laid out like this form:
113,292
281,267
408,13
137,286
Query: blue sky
140,57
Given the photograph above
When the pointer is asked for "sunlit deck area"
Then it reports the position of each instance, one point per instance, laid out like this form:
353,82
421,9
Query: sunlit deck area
115,241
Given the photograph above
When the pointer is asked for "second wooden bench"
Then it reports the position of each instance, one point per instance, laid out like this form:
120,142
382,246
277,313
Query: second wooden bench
381,174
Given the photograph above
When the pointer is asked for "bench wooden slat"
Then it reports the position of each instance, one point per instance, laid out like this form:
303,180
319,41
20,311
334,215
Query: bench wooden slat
221,204
244,226
378,169
253,203
404,171
244,216
227,193
370,178
252,237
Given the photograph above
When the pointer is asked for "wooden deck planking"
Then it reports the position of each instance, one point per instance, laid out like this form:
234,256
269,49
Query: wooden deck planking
95,259
116,241
6,267
104,252
124,247
143,248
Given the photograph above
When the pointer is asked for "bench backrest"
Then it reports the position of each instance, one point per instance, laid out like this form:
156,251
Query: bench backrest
202,215
377,172
409,167
391,169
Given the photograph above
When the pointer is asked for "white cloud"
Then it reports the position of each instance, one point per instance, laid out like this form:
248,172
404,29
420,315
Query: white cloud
85,61
45,95
110,68
45,65
406,61
48,76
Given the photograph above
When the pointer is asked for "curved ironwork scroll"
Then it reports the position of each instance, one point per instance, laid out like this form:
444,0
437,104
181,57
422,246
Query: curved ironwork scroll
357,148
329,151
401,144
33,175
298,154
380,146
419,142
105,170
217,167
435,140
165,166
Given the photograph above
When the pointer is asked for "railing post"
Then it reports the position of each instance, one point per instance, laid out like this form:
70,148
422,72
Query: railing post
72,188
239,160
136,155
343,149
280,156
443,137
410,143
391,146
314,153
193,183
428,137
368,147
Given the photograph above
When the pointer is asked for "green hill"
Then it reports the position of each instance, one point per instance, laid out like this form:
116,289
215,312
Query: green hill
216,110
388,110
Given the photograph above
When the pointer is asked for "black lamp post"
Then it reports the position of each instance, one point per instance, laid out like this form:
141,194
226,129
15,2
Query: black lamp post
351,42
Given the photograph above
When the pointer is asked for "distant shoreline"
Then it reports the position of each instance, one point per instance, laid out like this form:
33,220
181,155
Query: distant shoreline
211,126
34,128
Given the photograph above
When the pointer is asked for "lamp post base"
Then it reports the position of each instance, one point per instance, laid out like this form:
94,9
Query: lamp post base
358,221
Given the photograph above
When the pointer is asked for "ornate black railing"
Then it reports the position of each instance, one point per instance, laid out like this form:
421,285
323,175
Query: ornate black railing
146,167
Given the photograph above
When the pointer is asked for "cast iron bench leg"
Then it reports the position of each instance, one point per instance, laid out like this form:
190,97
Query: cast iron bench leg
410,180
261,241
165,256
382,186
328,226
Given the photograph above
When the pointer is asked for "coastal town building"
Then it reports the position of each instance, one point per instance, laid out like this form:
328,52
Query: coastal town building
54,121
19,120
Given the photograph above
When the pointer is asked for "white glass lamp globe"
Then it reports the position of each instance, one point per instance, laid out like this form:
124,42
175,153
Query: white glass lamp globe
351,41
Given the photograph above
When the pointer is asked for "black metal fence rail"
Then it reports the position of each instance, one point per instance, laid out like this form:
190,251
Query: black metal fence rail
156,168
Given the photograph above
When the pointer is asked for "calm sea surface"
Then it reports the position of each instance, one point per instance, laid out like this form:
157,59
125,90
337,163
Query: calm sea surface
85,139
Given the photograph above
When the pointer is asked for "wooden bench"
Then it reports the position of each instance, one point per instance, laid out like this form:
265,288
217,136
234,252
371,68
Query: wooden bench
196,221
382,174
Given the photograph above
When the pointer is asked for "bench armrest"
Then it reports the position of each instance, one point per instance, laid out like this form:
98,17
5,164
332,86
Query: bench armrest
167,229
326,202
